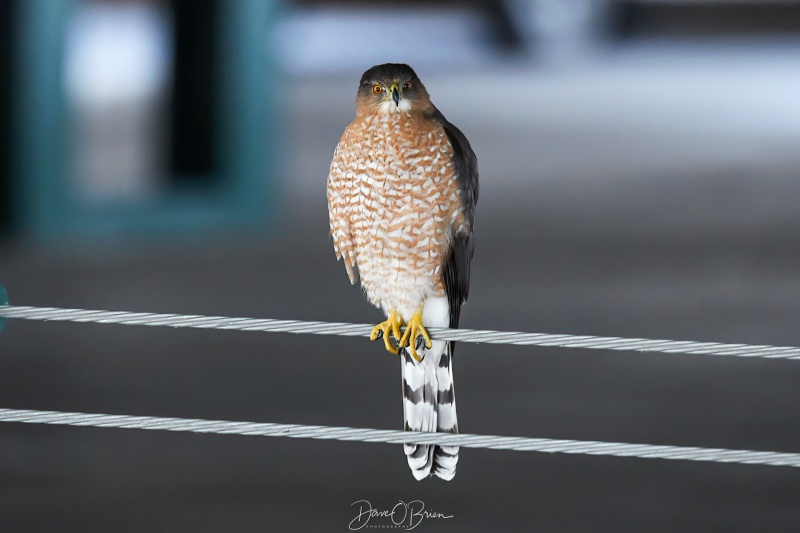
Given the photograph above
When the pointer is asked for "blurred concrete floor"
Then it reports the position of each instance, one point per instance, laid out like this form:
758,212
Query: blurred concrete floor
611,205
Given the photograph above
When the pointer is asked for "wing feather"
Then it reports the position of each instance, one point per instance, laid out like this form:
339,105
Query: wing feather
340,188
457,264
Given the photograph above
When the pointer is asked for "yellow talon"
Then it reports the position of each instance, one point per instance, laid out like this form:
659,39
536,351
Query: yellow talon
387,328
413,331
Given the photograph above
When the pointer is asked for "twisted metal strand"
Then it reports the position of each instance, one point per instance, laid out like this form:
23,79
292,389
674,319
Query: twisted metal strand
523,444
363,330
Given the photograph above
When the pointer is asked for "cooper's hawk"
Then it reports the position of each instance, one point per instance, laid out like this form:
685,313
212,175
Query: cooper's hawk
401,195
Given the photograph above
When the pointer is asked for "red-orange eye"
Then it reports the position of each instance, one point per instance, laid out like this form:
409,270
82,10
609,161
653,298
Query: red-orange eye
407,86
377,89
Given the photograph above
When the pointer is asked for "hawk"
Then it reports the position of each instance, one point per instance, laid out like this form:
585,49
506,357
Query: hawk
402,189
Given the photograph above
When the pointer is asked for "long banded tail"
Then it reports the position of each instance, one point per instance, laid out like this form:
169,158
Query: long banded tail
429,404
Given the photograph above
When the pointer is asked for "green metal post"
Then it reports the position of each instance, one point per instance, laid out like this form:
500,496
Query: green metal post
39,133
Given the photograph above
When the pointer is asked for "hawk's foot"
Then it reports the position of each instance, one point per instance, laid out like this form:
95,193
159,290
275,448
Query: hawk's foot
414,330
387,328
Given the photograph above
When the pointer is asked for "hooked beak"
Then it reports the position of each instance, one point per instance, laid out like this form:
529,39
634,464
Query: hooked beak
394,88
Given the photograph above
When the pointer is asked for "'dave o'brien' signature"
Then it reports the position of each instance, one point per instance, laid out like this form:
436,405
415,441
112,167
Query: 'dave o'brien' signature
406,515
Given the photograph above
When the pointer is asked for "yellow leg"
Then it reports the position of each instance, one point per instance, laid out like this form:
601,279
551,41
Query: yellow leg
413,331
387,328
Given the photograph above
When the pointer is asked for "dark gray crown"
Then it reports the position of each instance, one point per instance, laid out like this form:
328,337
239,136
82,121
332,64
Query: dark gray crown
389,72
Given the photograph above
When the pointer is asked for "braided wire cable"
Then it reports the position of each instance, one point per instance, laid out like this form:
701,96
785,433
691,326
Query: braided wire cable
522,444
363,330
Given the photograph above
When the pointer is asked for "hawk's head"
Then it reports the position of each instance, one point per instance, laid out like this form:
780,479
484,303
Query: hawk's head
390,88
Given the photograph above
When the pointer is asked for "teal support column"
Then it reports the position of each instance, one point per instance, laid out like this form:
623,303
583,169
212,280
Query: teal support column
41,200
249,139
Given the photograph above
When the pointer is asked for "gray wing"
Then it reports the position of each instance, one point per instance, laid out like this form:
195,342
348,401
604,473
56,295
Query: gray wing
457,264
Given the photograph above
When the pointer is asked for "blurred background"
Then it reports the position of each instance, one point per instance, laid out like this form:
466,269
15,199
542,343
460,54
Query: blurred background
639,177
